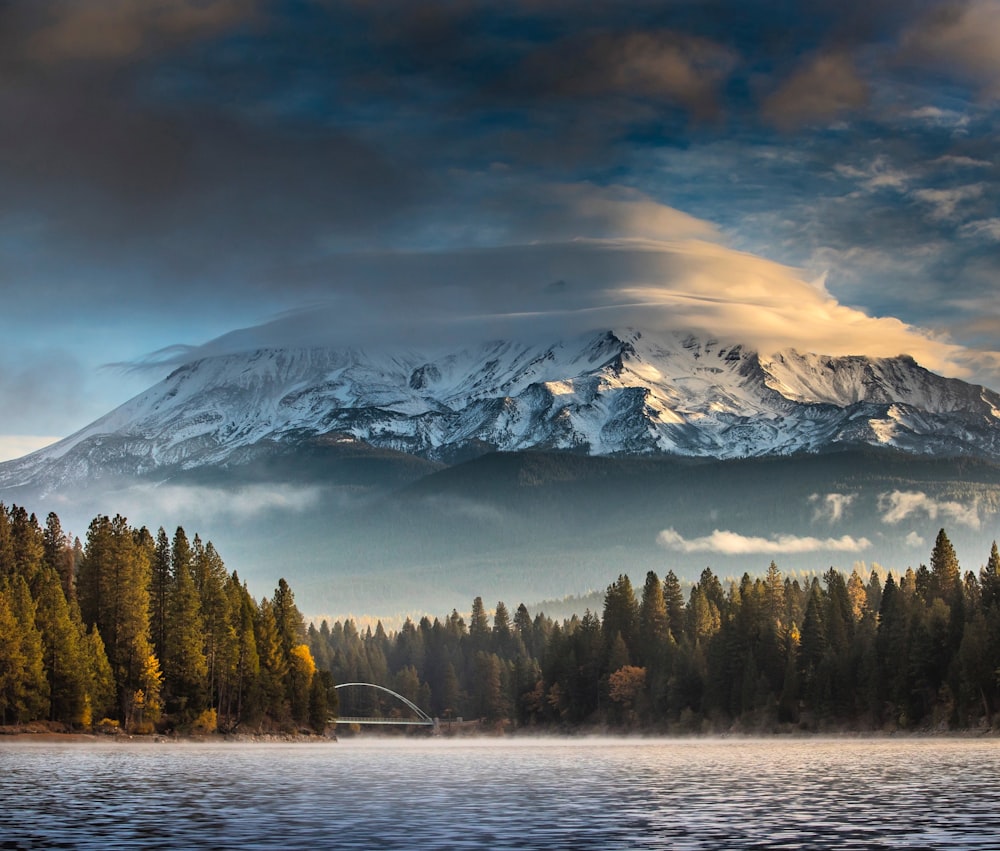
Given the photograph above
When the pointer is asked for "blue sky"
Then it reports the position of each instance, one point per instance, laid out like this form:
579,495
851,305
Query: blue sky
823,175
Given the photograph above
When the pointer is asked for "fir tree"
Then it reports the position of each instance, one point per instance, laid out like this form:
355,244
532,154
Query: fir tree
64,661
185,666
673,600
32,700
945,572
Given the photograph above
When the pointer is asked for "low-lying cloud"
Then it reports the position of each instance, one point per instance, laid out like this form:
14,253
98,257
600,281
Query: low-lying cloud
902,505
732,543
830,507
212,504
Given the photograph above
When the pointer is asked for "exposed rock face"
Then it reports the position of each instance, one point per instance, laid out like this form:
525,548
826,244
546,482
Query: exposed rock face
604,393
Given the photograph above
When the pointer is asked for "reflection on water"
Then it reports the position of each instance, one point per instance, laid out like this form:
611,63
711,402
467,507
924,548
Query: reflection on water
525,794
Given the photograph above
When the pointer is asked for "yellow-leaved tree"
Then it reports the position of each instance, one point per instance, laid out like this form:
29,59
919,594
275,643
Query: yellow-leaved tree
300,673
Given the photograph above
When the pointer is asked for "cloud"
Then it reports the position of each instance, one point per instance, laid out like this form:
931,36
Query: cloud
987,229
732,543
831,507
902,505
961,37
944,202
936,116
914,540
122,29
877,174
823,88
217,504
670,278
663,65
958,161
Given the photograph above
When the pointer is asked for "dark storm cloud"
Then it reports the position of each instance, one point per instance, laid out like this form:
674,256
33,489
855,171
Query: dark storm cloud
658,65
826,86
960,39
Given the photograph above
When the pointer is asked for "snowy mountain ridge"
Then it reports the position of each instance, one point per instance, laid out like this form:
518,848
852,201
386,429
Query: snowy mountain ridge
604,393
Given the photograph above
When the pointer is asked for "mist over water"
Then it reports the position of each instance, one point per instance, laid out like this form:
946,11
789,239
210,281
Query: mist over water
524,793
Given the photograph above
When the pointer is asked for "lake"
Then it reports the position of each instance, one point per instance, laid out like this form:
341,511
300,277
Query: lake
519,793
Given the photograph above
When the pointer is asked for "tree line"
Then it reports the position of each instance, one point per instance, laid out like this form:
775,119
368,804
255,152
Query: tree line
765,653
152,632
144,632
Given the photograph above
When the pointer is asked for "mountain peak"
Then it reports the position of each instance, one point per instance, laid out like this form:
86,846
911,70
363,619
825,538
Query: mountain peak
609,392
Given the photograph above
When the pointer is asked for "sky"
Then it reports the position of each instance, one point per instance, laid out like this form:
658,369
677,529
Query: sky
185,177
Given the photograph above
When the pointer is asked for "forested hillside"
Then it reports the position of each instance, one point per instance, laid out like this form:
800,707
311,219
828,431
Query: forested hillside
153,633
764,654
128,629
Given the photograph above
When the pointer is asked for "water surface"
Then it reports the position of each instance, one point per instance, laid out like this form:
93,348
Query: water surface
503,794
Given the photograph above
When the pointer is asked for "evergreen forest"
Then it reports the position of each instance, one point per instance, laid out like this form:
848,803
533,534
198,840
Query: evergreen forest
127,630
759,655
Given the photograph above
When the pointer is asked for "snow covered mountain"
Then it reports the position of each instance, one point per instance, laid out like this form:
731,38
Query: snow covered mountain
605,393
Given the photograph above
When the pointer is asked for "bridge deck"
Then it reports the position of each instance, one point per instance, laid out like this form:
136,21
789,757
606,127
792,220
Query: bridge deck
410,722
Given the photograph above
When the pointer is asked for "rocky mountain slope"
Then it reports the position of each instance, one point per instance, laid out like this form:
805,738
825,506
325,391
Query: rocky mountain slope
605,393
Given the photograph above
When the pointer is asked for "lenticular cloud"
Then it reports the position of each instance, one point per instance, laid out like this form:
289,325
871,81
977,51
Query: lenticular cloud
732,543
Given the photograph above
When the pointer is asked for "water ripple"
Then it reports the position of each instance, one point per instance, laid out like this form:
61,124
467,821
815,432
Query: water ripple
513,794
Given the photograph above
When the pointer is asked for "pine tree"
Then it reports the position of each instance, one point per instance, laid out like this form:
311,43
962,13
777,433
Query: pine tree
813,648
673,600
58,554
774,591
244,696
113,590
989,579
857,595
287,617
27,539
64,661
159,593
501,631
219,636
99,681
488,696
273,662
12,661
703,617
33,698
654,625
945,572
319,700
523,628
621,615
6,546
186,670
479,626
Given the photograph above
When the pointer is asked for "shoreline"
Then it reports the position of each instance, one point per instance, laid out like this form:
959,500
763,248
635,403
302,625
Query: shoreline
28,736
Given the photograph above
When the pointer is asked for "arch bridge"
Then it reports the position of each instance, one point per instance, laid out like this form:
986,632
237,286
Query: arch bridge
419,719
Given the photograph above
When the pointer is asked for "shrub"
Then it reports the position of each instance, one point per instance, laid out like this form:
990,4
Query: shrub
207,722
